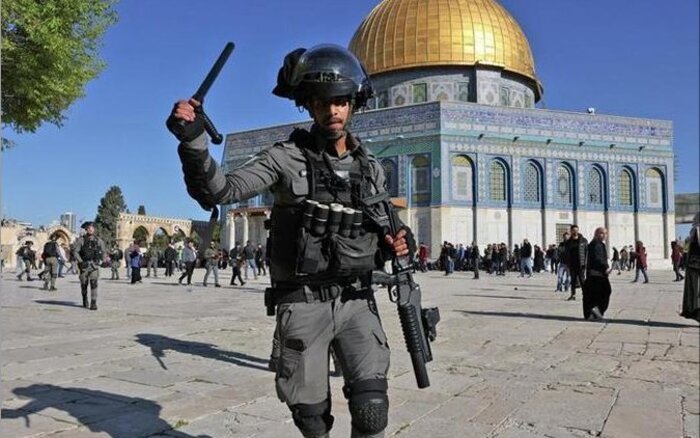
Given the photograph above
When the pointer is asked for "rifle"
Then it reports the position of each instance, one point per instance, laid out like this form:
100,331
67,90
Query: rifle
203,89
419,325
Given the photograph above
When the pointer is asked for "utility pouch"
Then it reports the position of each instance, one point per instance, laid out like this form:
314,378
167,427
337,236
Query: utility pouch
350,256
312,253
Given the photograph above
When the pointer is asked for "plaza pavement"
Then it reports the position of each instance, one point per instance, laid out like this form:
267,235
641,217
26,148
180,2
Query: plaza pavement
512,359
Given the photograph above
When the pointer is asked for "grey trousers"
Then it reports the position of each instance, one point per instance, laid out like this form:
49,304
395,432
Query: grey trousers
50,272
306,332
89,277
212,267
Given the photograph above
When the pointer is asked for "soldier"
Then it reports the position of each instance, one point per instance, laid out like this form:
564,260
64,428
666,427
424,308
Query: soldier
321,298
211,262
89,252
24,261
50,256
115,256
152,260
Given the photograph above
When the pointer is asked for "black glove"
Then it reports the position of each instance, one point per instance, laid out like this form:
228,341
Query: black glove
185,131
410,242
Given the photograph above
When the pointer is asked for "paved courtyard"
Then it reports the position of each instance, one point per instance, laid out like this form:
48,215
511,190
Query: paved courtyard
512,359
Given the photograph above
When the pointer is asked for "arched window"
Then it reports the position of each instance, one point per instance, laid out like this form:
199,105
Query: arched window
420,177
624,188
462,178
498,181
532,188
595,186
391,176
655,198
564,188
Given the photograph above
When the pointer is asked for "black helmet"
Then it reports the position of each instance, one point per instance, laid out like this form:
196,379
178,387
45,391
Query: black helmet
323,71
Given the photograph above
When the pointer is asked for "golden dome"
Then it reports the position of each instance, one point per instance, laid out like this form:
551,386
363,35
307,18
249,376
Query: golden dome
400,34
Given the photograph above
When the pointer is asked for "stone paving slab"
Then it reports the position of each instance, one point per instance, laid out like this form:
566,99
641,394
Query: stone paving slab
513,360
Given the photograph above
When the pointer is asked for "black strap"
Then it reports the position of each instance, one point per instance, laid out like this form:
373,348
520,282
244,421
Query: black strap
370,385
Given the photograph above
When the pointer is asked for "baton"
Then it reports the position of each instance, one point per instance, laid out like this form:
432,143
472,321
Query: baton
203,89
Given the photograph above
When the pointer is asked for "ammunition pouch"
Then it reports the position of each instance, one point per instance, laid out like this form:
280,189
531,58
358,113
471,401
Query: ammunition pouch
333,255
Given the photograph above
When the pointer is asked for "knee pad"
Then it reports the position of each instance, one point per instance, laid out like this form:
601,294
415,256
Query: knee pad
369,405
93,284
313,420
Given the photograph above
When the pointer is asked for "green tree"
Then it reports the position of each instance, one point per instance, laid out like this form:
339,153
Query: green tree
216,233
141,236
49,53
111,204
142,210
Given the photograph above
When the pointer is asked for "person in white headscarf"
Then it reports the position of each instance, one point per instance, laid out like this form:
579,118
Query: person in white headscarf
691,291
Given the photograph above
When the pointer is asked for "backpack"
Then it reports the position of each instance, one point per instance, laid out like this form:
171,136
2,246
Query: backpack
50,249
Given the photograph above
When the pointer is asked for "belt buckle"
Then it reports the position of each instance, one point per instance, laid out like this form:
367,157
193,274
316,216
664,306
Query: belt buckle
327,293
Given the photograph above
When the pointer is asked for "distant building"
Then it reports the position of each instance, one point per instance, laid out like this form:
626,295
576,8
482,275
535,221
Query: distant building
68,220
466,152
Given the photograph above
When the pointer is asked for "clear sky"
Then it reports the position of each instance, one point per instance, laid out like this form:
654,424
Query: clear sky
631,58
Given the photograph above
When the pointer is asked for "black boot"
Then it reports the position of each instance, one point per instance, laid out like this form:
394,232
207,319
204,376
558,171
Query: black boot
93,305
85,304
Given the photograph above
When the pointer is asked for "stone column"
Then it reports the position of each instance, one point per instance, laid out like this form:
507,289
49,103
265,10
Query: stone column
229,231
244,217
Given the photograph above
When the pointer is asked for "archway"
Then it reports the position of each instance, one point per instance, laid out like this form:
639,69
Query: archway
160,238
141,235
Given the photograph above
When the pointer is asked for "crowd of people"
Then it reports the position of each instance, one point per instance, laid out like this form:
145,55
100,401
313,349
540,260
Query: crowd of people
569,261
243,260
576,263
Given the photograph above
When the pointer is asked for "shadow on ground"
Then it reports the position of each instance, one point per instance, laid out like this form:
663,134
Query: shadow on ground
505,297
100,412
160,344
59,303
572,318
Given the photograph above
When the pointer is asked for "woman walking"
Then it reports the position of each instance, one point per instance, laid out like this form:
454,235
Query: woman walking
691,289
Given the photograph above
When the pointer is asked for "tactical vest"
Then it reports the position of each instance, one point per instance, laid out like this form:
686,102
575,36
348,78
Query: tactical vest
50,249
296,256
90,251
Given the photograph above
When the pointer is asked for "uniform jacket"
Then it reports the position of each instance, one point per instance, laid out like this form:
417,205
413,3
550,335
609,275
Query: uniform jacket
281,168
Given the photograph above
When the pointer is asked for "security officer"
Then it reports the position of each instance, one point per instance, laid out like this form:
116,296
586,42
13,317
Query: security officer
115,257
50,257
321,282
211,263
89,252
24,261
152,256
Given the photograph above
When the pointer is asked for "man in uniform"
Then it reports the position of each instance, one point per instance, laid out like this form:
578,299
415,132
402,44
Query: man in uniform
50,256
322,299
211,263
89,252
152,260
24,261
115,256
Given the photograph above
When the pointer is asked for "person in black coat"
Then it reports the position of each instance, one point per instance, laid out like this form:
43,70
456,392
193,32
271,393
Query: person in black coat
576,258
596,289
